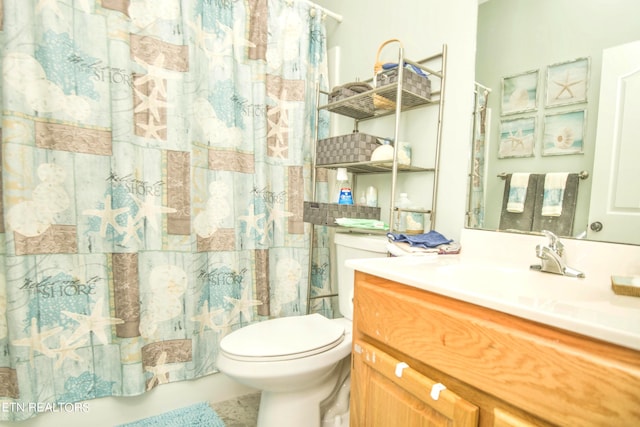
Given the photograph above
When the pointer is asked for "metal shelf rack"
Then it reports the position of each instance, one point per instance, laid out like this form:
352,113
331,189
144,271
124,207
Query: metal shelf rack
360,107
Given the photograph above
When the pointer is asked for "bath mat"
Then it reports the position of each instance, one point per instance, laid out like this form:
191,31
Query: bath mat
198,415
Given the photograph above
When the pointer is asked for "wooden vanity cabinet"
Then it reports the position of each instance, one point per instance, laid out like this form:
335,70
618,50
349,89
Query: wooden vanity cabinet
422,359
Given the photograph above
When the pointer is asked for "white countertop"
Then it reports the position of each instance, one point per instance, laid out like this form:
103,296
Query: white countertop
588,307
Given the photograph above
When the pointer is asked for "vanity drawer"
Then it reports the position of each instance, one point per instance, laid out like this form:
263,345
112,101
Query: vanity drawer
563,377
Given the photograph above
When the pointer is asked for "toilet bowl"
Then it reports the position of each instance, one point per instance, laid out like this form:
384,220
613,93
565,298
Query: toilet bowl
293,379
301,363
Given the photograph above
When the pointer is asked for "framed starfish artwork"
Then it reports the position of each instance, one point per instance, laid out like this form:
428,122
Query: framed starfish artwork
517,137
520,92
567,82
564,133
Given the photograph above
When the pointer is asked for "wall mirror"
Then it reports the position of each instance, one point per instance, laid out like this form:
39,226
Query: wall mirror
542,63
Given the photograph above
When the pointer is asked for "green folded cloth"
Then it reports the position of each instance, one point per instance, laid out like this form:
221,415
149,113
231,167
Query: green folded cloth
372,224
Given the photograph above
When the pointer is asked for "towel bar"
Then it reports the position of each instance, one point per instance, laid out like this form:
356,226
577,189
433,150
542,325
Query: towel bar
581,175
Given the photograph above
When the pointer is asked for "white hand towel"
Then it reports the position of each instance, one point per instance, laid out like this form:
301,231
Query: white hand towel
554,185
517,192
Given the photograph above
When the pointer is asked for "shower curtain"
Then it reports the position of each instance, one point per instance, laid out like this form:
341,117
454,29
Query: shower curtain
155,159
478,150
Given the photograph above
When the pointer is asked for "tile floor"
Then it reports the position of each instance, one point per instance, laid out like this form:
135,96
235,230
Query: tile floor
241,411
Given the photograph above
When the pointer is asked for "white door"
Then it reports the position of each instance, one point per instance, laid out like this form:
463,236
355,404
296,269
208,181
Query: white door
614,214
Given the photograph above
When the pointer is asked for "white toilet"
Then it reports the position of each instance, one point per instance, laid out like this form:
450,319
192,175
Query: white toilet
302,363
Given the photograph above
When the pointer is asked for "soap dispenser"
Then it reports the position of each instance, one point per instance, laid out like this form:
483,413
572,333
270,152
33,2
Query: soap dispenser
400,223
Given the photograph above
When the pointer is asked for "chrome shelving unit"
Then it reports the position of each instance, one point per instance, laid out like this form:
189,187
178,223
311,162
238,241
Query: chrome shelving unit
360,107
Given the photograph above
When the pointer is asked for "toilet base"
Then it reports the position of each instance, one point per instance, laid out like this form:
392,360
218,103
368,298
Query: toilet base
301,407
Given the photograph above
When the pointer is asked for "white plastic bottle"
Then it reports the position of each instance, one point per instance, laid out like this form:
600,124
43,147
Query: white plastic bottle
404,153
363,199
372,196
400,223
345,195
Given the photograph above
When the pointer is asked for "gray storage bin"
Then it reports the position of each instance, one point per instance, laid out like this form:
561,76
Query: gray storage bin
416,88
357,107
351,148
326,213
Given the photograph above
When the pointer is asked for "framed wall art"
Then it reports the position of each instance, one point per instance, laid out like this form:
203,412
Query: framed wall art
517,137
567,82
520,92
564,133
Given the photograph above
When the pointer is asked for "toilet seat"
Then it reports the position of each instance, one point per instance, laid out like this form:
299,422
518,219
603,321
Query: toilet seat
283,338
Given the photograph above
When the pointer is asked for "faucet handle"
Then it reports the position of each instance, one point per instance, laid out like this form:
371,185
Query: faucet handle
554,243
552,237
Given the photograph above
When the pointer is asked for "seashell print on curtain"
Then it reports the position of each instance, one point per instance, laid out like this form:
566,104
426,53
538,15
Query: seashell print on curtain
156,155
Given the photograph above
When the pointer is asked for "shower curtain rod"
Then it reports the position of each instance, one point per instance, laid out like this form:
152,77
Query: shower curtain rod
327,12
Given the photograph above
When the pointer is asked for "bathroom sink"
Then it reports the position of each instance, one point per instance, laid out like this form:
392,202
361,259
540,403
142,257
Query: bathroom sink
513,284
516,282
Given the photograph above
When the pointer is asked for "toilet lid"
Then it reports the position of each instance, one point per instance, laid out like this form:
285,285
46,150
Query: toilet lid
283,338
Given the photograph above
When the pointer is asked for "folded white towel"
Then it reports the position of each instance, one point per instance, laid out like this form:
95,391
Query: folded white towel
554,185
517,192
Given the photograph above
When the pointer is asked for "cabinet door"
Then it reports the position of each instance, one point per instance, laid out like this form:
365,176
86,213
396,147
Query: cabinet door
386,392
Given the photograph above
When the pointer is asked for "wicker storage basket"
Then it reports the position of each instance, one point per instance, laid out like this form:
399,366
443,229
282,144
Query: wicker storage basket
411,82
625,285
380,102
357,108
354,147
326,213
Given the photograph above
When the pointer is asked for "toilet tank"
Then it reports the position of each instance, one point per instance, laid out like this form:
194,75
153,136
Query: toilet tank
353,246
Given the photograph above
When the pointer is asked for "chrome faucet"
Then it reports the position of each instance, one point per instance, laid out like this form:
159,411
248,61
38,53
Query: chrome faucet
552,256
